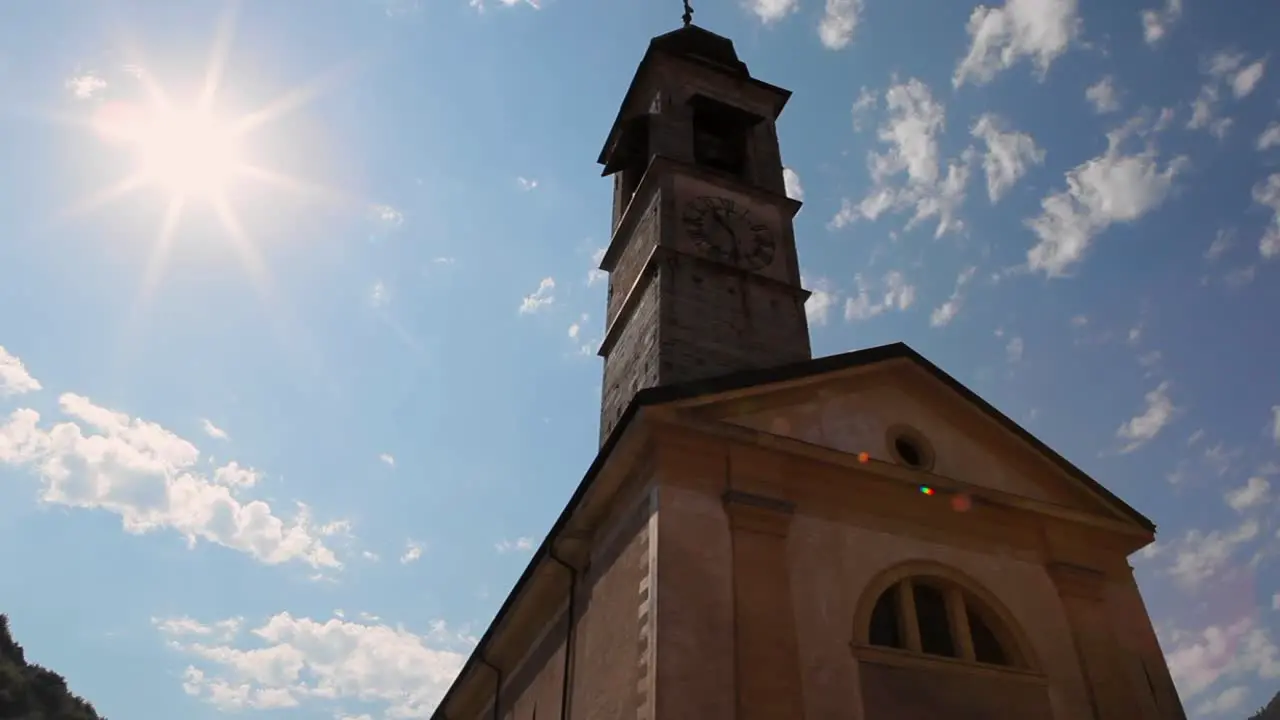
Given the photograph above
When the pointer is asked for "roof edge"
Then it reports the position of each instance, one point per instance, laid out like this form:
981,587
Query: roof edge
543,553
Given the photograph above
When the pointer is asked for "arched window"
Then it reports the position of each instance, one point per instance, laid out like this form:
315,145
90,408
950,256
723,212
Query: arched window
937,617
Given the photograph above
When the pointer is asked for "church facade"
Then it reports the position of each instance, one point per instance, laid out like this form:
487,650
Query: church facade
765,535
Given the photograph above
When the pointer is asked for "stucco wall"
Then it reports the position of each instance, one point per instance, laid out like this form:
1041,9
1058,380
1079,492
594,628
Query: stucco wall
831,566
857,421
696,612
534,688
608,666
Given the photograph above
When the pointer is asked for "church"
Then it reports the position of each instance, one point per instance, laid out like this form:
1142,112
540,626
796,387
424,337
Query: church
765,535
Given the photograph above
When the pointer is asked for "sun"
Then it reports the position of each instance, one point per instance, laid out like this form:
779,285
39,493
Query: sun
194,152
189,152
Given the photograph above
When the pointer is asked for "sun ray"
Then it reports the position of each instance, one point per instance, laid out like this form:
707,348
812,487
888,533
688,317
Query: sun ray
156,262
53,117
243,245
301,187
127,186
155,93
295,98
218,56
159,256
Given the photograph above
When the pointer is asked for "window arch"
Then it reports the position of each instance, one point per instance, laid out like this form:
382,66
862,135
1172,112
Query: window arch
931,614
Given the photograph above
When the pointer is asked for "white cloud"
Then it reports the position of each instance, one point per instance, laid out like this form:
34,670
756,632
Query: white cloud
911,133
412,551
14,378
387,216
1244,81
212,430
520,544
585,346
595,274
379,296
1275,424
85,86
1224,69
822,297
388,459
1155,416
150,477
862,108
1014,349
1222,241
895,293
1253,493
947,311
1267,193
540,298
1155,23
1200,556
481,5
1008,155
1240,650
289,661
1226,701
791,180
402,8
526,184
771,11
236,477
1270,137
176,627
839,21
1038,30
1103,95
1111,188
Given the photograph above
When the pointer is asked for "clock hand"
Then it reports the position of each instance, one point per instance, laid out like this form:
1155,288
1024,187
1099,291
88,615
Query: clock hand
722,223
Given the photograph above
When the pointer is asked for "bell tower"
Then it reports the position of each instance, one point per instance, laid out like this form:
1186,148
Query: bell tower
703,274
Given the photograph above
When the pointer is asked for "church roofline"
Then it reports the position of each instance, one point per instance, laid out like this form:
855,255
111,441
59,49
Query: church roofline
740,381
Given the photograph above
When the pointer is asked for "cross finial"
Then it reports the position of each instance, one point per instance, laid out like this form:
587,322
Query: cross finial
688,14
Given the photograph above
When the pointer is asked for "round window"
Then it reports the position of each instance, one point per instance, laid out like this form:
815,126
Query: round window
910,448
908,451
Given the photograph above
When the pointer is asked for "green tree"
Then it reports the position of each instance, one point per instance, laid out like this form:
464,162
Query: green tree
31,692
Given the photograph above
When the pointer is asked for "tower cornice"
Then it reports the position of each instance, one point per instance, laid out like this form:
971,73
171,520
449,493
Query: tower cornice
660,168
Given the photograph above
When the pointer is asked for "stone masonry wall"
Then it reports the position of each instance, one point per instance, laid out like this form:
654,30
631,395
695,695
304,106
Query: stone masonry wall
643,237
631,363
715,321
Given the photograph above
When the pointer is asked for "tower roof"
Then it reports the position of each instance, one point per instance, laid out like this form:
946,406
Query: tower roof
694,43
697,45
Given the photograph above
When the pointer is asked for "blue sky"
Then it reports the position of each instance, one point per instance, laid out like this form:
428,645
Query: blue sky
282,449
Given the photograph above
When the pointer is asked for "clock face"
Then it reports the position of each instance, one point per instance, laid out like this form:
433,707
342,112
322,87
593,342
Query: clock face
726,231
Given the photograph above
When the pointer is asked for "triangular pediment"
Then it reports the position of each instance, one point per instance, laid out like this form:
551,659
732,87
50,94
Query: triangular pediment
864,409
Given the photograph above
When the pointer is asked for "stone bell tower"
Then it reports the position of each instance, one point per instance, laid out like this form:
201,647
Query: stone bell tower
703,274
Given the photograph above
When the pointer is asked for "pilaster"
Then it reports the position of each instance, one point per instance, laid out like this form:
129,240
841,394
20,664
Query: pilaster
766,650
1083,590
